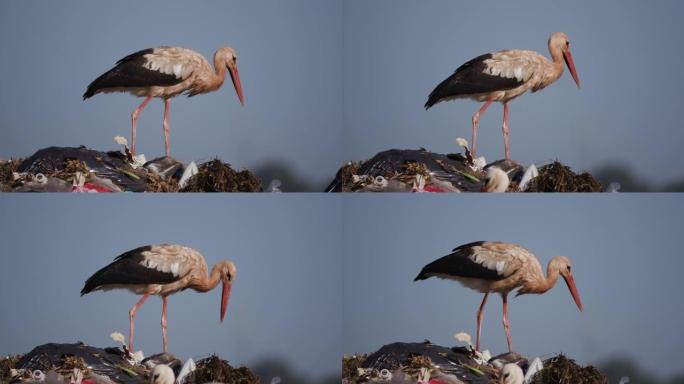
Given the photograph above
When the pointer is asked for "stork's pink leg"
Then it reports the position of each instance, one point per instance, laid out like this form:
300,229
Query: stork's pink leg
167,133
163,323
507,325
476,120
134,121
131,318
480,315
505,132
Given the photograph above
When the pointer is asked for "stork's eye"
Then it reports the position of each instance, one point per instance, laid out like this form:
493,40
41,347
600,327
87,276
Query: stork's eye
506,375
567,44
569,268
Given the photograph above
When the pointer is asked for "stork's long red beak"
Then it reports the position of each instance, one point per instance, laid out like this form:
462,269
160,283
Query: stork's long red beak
571,66
235,76
225,295
570,281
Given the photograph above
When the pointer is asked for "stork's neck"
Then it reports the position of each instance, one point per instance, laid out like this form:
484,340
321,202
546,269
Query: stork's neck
556,69
542,284
208,282
220,75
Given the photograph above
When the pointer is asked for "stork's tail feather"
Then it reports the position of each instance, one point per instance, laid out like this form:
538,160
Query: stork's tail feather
90,92
432,100
90,284
421,276
102,82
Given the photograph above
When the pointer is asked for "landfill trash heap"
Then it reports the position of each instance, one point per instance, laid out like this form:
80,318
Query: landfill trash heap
419,170
427,363
80,169
77,363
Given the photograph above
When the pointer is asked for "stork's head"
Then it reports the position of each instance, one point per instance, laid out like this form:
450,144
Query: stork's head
162,374
559,42
228,56
562,265
227,273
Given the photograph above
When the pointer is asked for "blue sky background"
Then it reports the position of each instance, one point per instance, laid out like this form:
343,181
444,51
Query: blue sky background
626,53
289,63
627,264
284,303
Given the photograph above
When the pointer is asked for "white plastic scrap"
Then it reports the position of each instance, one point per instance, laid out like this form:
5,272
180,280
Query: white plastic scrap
41,179
424,376
461,142
534,367
482,357
385,374
464,337
77,376
38,375
530,173
624,380
188,367
138,161
479,163
276,380
135,358
380,181
419,183
121,141
118,336
189,172
78,182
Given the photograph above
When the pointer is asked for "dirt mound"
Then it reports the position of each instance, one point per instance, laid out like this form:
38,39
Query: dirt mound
213,369
557,177
217,176
562,370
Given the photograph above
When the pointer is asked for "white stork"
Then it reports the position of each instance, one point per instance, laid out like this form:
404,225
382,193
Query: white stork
493,266
503,76
162,270
166,72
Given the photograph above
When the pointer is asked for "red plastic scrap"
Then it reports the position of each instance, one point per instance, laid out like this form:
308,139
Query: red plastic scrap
432,188
91,188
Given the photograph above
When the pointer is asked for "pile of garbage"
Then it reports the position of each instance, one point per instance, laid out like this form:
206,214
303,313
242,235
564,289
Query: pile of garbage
82,364
407,170
80,169
427,363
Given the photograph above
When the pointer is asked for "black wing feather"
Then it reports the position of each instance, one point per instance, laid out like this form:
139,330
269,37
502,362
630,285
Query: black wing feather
470,79
130,72
127,269
458,263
